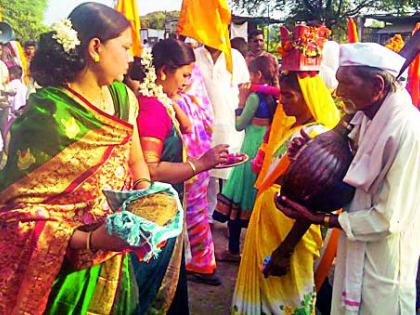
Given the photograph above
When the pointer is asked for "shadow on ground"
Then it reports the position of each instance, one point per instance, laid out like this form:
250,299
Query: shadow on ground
211,300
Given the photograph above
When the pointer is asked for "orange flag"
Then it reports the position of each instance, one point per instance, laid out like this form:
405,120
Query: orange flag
413,85
207,22
352,35
128,8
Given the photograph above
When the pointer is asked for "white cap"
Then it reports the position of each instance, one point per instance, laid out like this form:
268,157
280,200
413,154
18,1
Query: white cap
371,55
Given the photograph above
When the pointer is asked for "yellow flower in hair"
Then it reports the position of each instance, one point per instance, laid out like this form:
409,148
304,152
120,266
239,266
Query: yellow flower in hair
25,159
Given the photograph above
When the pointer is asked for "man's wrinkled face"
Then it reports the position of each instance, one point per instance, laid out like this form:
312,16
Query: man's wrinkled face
355,92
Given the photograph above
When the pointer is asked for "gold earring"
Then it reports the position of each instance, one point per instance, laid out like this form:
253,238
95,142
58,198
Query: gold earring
163,77
96,58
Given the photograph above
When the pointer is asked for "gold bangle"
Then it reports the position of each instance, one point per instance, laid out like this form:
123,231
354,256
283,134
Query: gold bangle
194,169
326,220
141,179
88,241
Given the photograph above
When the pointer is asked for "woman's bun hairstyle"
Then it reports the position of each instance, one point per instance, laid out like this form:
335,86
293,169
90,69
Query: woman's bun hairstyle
53,66
172,53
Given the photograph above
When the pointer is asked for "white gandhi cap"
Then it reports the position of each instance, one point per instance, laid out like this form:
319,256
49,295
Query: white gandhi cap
372,55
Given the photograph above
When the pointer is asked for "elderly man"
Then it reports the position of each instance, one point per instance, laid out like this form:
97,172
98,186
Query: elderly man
378,249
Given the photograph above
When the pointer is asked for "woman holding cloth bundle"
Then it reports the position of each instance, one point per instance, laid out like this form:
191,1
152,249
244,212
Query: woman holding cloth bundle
77,136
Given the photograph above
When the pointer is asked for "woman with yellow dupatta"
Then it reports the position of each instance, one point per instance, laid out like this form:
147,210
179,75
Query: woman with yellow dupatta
289,287
76,137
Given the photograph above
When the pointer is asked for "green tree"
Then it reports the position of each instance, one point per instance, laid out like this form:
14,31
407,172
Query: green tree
25,17
156,20
333,13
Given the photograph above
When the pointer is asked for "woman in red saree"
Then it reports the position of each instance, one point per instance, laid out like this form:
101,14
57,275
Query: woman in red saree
76,137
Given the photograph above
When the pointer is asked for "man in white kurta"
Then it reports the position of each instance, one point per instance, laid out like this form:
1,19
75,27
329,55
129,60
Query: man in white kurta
223,91
379,246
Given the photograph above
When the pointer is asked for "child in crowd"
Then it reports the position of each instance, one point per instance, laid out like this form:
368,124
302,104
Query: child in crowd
17,89
236,201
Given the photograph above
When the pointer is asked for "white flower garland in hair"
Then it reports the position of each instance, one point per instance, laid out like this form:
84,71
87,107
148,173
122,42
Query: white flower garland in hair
65,35
148,86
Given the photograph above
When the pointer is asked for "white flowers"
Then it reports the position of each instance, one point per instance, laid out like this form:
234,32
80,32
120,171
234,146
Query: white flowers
65,35
148,86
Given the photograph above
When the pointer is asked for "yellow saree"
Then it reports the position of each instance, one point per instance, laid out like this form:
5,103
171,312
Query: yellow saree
293,293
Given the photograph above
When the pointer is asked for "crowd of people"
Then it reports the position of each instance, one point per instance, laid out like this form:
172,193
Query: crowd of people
81,117
14,82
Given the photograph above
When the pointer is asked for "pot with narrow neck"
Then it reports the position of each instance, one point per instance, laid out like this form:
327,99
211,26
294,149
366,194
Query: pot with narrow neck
315,177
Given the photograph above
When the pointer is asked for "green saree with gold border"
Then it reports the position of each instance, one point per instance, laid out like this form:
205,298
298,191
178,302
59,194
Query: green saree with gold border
63,152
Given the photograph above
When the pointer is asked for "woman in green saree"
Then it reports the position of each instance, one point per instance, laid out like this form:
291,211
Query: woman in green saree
77,137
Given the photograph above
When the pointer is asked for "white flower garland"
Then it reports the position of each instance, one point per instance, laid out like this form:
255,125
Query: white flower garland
148,86
65,35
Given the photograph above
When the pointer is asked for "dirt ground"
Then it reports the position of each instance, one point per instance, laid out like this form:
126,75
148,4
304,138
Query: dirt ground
215,300
211,300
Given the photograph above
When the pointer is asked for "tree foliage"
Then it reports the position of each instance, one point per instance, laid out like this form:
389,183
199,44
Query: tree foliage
331,12
156,20
25,17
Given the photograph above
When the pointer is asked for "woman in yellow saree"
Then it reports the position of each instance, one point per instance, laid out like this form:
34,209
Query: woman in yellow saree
76,137
289,287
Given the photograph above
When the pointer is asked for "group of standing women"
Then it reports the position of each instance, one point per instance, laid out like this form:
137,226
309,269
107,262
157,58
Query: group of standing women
84,132
80,134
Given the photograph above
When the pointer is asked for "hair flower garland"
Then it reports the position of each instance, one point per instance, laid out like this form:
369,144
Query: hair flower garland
65,35
148,86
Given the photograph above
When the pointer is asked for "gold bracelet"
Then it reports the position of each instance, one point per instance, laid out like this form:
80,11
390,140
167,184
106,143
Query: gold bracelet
88,241
141,179
194,169
326,220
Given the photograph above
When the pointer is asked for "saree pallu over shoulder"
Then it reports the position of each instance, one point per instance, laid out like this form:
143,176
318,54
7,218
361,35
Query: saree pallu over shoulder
63,152
55,121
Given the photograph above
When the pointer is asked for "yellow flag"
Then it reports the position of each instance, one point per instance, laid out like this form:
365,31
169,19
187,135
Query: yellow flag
208,23
128,8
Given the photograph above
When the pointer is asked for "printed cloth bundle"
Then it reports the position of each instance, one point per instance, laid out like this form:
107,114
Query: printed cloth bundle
146,218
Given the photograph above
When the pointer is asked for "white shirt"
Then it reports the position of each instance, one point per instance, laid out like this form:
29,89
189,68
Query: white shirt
379,246
223,91
4,74
19,99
